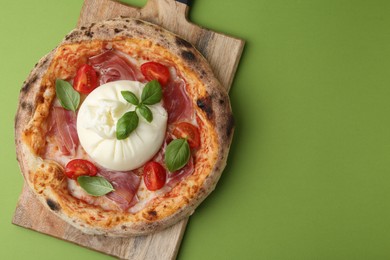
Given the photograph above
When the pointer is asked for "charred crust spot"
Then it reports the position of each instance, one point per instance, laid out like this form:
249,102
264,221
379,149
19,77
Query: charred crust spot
157,29
127,20
40,99
123,227
205,104
33,79
136,21
26,87
221,101
83,27
69,36
44,61
188,55
152,213
28,84
72,35
88,33
138,32
230,125
203,74
181,42
53,205
116,30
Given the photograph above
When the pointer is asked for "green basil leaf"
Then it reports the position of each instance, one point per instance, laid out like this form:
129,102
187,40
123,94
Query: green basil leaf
130,97
145,112
95,186
126,124
68,96
177,154
152,93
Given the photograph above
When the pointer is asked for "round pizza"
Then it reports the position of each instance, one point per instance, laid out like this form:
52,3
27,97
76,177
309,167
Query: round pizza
122,129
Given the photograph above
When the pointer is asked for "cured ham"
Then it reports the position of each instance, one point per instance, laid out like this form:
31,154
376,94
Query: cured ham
125,184
176,101
63,127
113,66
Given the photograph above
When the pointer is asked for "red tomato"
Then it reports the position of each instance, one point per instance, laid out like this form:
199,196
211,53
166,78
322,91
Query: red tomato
189,132
79,167
153,70
154,176
86,79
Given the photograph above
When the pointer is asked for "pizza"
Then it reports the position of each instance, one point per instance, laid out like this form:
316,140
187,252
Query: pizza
122,129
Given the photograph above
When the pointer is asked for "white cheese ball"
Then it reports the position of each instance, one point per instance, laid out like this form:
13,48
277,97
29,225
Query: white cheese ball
96,127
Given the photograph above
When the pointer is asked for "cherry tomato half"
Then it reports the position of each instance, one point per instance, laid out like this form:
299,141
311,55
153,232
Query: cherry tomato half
189,132
86,79
79,167
154,176
153,70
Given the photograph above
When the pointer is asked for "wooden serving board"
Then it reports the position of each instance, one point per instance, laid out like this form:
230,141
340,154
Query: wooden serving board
223,53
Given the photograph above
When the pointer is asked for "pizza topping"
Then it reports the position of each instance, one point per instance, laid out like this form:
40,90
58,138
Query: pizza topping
189,132
64,130
177,154
96,126
80,167
68,97
154,176
178,176
113,66
151,95
86,79
177,102
126,125
125,184
155,71
95,186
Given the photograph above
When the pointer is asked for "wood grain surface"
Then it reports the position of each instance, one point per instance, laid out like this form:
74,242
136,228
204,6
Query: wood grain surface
223,53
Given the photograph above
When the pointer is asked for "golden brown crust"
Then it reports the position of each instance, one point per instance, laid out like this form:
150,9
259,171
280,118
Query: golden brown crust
139,39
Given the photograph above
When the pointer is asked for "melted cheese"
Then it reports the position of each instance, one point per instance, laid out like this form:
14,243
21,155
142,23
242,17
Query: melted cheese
96,127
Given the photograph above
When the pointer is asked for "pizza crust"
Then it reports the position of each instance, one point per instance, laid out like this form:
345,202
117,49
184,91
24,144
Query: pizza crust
211,103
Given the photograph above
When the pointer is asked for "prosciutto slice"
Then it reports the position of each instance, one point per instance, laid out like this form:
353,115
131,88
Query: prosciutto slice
113,66
63,127
125,184
176,101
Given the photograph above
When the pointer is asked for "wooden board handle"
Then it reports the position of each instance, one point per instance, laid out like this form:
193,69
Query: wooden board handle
170,14
187,2
160,11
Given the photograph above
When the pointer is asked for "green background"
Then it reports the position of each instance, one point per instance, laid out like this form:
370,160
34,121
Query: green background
308,173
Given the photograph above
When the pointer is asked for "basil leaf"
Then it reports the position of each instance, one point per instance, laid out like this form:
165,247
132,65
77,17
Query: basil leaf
68,96
152,93
145,112
177,154
126,124
130,97
95,186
